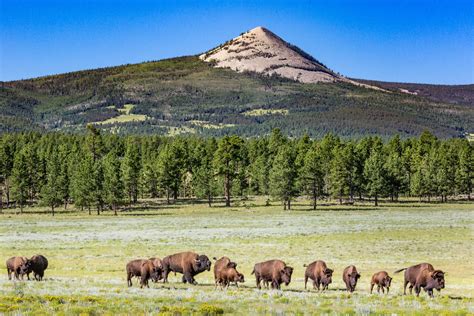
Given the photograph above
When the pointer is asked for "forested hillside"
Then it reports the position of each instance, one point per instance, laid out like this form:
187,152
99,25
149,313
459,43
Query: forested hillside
188,96
104,172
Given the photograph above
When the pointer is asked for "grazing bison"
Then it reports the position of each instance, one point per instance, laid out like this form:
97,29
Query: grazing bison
150,269
429,280
188,263
382,280
350,277
14,265
412,273
134,269
225,272
274,271
37,264
319,273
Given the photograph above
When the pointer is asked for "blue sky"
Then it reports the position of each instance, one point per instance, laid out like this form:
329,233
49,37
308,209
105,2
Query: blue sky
406,41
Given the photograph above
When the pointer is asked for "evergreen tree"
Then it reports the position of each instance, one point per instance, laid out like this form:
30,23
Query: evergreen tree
113,185
375,175
83,183
20,179
51,191
283,177
226,162
464,174
341,172
312,175
131,169
204,180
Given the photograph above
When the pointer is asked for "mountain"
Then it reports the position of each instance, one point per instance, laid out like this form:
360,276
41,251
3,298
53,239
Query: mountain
248,86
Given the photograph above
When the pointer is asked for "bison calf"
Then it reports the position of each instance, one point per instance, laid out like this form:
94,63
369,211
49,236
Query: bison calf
14,265
382,280
150,269
274,271
134,269
350,276
319,273
225,272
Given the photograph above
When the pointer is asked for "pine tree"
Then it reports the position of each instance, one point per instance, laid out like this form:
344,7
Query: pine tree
341,172
51,191
374,173
113,185
20,179
83,183
226,162
464,172
312,174
131,169
204,180
283,177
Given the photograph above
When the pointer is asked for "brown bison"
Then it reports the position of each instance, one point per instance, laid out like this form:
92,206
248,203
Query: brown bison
150,269
37,264
429,280
350,276
225,272
382,280
412,273
319,273
14,265
188,263
274,271
134,269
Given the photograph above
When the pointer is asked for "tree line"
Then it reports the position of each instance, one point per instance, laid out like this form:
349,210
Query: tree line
105,172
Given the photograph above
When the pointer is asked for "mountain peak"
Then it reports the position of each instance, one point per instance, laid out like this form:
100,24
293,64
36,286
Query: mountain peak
262,51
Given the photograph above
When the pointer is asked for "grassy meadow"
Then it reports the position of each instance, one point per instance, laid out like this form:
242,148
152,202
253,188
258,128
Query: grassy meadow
87,257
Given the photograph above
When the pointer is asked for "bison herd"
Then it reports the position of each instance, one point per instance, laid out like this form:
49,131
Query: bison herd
269,273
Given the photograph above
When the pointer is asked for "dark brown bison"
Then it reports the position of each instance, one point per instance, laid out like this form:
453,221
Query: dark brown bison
382,280
274,271
412,273
429,280
37,264
350,276
188,263
14,265
319,273
134,269
225,272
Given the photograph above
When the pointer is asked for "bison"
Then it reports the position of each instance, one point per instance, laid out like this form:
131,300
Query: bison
150,269
412,273
319,273
274,271
188,263
350,276
37,264
429,280
225,272
382,280
134,269
14,265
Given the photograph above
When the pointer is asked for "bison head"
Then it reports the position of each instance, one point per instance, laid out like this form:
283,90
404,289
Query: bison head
26,266
353,277
327,277
232,265
387,281
240,278
437,277
286,275
202,263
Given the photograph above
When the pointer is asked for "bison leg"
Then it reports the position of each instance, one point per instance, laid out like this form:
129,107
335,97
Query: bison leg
383,290
165,275
317,283
257,280
388,289
187,277
305,281
129,279
9,273
417,290
371,287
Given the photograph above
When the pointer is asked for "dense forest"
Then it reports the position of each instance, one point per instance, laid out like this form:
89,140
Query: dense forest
188,96
106,172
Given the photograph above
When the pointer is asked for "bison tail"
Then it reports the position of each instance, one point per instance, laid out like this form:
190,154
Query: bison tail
304,265
253,271
400,270
214,258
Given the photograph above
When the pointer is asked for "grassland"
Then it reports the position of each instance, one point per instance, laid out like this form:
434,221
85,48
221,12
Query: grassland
88,254
125,116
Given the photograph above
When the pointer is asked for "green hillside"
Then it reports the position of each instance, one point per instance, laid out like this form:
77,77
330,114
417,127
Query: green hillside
187,95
